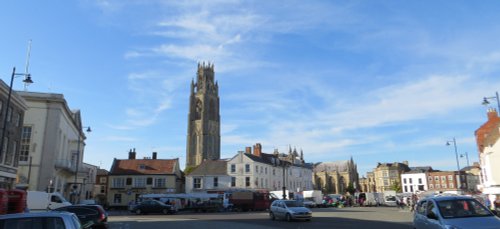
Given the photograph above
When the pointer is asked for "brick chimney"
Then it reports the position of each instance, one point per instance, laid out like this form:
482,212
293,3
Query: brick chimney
248,150
131,154
492,114
257,149
154,155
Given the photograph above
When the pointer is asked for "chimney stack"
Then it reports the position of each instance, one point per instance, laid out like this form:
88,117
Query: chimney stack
492,114
257,149
154,155
131,154
248,150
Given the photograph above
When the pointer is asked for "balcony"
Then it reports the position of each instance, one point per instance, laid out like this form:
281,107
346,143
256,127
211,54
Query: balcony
65,165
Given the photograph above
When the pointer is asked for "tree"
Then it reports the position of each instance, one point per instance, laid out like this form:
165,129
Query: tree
396,186
189,169
350,189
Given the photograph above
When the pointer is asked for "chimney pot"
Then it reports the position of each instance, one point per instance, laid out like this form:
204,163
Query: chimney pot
248,150
257,149
154,155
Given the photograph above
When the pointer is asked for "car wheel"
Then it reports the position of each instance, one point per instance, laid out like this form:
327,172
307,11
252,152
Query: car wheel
138,211
271,215
165,211
288,217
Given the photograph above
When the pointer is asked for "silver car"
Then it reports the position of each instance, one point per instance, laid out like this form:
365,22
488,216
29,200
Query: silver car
453,212
45,220
289,210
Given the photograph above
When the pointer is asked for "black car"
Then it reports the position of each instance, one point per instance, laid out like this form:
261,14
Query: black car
153,206
93,215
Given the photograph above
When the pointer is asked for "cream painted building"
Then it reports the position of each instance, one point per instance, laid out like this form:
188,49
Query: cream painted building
270,172
13,118
130,178
209,175
488,142
52,146
387,175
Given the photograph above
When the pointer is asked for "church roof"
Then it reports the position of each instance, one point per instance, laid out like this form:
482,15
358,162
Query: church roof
143,166
339,166
211,167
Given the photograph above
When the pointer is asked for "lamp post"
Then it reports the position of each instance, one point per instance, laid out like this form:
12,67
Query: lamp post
27,80
78,158
284,180
486,102
458,163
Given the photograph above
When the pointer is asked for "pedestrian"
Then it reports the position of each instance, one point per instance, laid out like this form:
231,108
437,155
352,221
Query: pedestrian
487,202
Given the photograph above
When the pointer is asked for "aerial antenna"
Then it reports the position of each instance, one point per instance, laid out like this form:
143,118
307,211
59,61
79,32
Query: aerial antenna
27,73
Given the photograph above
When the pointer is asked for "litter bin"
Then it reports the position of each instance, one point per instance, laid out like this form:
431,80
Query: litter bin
17,201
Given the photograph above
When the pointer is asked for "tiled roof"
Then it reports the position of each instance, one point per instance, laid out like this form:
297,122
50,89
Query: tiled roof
143,166
485,129
211,167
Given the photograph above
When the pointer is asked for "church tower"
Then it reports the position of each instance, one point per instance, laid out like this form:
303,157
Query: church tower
203,137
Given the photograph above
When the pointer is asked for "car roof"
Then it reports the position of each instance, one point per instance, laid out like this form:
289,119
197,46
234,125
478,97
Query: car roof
444,198
36,214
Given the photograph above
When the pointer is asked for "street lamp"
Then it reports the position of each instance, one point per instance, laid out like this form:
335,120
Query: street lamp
27,80
456,155
78,157
284,179
486,102
466,157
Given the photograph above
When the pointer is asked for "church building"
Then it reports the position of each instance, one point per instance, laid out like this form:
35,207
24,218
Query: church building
203,137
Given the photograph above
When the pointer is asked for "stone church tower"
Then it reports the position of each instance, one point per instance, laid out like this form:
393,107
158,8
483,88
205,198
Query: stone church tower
203,137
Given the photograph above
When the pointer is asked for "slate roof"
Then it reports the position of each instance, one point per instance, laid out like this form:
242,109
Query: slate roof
420,169
339,166
210,167
101,172
150,166
264,158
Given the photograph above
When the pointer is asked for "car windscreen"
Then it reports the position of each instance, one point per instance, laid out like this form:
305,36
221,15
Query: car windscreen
32,223
460,208
292,204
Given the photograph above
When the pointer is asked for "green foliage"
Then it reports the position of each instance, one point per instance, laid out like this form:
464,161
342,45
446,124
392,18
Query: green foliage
350,189
189,169
396,186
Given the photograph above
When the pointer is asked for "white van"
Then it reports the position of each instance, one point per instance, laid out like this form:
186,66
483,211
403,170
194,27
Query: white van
43,201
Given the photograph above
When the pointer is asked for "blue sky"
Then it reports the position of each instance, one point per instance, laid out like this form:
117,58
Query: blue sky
381,81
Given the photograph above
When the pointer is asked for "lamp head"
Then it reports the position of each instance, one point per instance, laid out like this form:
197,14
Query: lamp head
485,101
28,79
88,129
447,143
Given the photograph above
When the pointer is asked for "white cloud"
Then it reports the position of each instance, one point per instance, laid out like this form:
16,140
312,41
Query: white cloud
120,139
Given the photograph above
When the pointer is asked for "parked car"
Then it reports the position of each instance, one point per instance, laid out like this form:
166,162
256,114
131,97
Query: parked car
289,210
153,206
448,212
42,220
309,203
88,202
89,215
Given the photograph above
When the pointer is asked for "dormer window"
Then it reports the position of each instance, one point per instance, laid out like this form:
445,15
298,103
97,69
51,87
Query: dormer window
142,166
